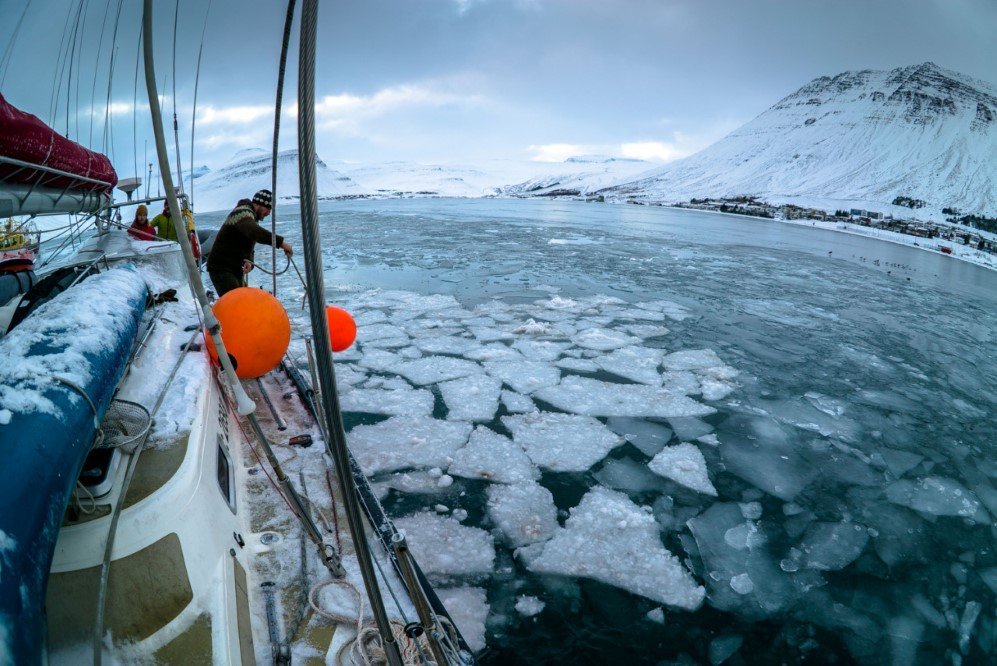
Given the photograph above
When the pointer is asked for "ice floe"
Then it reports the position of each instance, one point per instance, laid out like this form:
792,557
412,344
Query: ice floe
765,457
581,395
647,436
629,476
445,344
525,512
578,364
435,369
517,403
937,496
528,606
445,548
639,364
406,442
610,539
832,546
561,442
524,376
685,465
473,398
540,350
603,339
493,457
397,402
468,608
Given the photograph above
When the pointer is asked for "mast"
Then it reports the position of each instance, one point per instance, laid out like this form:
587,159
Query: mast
244,404
311,245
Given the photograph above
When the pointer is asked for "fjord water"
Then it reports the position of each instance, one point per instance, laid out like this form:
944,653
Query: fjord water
854,461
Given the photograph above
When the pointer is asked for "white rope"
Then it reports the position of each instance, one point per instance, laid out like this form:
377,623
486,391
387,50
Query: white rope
364,648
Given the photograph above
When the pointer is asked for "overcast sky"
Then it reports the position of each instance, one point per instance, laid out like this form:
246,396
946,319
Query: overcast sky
466,80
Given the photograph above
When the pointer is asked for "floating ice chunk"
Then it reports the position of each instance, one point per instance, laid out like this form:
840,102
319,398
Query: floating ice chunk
560,303
646,331
581,395
646,436
710,440
524,376
528,606
742,584
832,546
445,344
766,459
540,350
969,616
656,615
533,327
937,496
380,360
525,512
348,374
517,403
379,331
610,539
723,648
688,428
989,577
628,475
387,343
435,369
603,339
369,318
774,591
411,483
715,389
751,510
905,638
403,441
444,481
578,364
468,608
410,353
692,359
673,311
5,416
460,514
443,547
899,462
685,465
442,508
637,363
680,381
489,334
494,352
399,402
473,398
493,457
826,404
561,442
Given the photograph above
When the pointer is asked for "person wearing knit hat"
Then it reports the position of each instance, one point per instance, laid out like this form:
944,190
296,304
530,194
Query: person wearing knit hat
231,256
141,229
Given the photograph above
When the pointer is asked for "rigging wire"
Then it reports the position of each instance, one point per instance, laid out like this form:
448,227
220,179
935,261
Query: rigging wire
108,139
76,59
173,76
8,52
288,20
193,113
60,64
96,70
135,110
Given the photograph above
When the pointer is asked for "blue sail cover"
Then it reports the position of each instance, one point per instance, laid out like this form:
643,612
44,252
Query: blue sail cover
83,336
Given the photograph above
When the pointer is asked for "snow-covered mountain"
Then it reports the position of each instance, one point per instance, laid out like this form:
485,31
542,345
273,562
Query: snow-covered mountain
578,176
918,131
249,171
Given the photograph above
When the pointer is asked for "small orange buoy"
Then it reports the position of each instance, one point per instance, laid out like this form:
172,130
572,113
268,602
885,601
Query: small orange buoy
255,330
342,328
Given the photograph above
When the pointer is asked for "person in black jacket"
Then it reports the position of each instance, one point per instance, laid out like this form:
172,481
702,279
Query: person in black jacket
232,252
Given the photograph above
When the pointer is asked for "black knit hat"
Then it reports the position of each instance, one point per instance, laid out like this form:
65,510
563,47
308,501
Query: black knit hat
263,198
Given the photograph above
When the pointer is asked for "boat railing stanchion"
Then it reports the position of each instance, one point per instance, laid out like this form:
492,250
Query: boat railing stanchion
281,423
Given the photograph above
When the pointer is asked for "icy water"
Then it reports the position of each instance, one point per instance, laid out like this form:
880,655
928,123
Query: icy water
797,423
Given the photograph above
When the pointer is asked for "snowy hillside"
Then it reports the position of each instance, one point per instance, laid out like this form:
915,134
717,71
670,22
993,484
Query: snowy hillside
249,171
579,176
918,131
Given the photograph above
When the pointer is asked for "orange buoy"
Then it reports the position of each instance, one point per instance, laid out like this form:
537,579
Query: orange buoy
255,330
342,328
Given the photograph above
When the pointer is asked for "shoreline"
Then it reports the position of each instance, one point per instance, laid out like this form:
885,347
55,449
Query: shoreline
982,260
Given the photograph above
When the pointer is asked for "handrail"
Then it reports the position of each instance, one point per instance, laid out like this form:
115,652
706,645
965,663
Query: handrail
51,170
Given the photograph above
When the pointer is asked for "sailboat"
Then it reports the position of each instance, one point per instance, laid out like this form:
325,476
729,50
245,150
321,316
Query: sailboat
125,536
